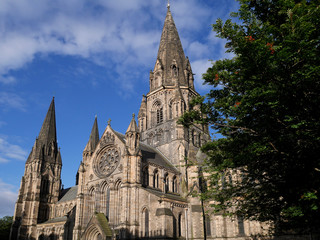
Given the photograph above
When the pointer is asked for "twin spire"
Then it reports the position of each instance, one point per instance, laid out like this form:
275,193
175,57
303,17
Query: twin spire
45,147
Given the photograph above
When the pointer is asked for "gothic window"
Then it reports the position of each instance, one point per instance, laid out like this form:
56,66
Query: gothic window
170,110
145,219
208,225
180,225
174,70
91,201
174,184
156,179
145,177
240,226
159,115
193,137
108,203
177,109
45,185
166,182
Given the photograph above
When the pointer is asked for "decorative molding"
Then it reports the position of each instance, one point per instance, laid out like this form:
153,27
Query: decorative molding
107,139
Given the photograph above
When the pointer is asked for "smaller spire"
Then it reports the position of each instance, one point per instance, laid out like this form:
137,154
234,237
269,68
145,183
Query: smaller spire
133,125
94,137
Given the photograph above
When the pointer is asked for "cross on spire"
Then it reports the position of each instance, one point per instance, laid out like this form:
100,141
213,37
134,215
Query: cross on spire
168,4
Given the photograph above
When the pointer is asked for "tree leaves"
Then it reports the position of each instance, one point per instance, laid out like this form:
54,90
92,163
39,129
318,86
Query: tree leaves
266,103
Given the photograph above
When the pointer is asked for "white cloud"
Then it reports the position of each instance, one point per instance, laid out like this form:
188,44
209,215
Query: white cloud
200,67
11,100
197,49
10,151
8,197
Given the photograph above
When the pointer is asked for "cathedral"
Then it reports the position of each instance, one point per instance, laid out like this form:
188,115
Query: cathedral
133,185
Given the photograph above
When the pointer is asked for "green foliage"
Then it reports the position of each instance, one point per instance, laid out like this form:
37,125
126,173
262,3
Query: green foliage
266,103
5,225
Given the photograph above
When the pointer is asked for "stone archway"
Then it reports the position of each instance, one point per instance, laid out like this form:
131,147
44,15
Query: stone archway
92,233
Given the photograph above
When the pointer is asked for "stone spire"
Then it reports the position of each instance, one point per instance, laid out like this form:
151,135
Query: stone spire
132,137
45,146
94,137
171,61
133,125
48,130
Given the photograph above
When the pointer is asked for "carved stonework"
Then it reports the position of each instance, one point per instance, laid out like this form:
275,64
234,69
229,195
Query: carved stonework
106,162
107,139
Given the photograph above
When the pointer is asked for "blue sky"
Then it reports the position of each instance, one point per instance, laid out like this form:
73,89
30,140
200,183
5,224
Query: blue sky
95,58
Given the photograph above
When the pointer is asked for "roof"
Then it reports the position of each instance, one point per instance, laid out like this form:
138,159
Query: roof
55,220
104,224
68,194
171,196
152,155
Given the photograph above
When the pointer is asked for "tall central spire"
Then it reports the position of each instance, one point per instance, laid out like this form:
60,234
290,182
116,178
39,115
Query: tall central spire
172,67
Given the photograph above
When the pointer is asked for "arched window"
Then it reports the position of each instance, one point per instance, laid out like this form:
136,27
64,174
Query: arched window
180,225
107,202
157,113
145,222
170,111
174,184
240,227
208,225
145,177
166,182
156,179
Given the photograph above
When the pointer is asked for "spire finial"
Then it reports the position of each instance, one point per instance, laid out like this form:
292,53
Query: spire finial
109,122
133,115
168,5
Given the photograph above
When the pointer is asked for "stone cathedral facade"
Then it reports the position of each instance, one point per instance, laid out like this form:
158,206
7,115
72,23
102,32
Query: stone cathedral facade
134,185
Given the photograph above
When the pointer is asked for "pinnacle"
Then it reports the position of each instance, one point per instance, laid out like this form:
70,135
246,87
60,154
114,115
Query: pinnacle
48,130
94,137
133,125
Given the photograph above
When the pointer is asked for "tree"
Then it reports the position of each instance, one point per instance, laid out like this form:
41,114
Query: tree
265,103
5,225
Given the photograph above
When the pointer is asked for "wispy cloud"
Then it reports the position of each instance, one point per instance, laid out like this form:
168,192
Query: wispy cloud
8,197
9,151
11,100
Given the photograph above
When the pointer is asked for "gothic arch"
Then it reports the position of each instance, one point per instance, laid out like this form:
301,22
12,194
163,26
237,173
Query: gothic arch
92,233
105,198
145,176
156,178
157,112
145,222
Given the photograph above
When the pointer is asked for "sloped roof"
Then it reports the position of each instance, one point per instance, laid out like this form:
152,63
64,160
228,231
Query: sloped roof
152,155
55,220
172,196
104,224
68,194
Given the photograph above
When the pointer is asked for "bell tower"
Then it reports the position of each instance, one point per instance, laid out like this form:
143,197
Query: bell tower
171,89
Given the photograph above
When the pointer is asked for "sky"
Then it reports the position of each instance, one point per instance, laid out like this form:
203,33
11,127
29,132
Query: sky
94,57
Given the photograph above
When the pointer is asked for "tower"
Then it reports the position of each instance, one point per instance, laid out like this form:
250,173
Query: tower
171,89
40,184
